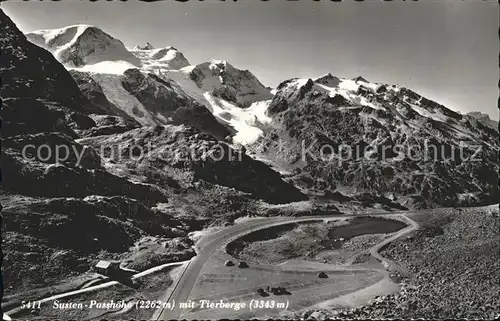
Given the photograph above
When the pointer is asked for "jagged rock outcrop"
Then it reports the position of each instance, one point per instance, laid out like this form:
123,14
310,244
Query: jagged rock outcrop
483,119
108,125
30,116
48,146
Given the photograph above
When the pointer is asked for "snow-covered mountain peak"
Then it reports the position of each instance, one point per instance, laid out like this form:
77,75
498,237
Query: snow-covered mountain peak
327,84
333,84
234,96
360,79
81,45
328,80
162,58
53,38
225,81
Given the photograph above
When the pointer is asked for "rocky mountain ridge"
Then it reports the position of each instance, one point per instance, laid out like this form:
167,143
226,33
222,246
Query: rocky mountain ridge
362,136
484,119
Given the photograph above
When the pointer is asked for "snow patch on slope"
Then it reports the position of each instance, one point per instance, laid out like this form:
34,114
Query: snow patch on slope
106,67
245,121
181,77
259,111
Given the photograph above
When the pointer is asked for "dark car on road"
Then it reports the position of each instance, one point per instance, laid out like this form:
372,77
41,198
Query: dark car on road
242,264
229,263
279,290
322,275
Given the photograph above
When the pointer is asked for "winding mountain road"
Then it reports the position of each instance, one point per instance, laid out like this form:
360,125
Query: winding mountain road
209,244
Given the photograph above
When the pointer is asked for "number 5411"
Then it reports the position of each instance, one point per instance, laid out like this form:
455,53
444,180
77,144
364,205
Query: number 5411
31,304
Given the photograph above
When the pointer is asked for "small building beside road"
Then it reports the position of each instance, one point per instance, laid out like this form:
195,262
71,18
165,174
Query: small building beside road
107,268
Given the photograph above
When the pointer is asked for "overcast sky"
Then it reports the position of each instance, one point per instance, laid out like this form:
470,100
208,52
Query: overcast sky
447,50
